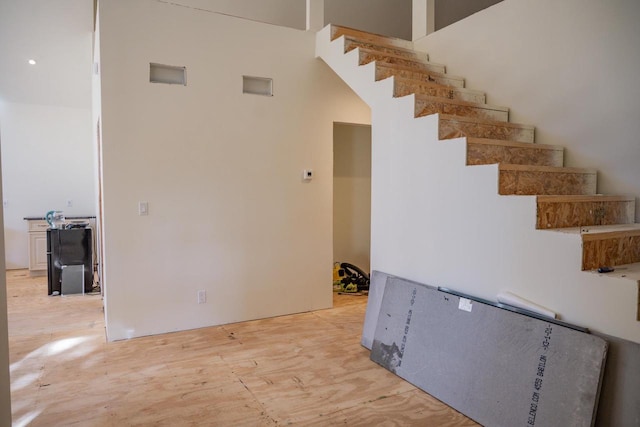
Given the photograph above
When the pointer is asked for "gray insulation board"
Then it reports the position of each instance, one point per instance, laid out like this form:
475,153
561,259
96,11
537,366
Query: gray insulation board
497,367
374,301
620,392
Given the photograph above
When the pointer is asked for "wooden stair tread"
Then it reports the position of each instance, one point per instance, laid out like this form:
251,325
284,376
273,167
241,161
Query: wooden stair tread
585,198
610,245
597,231
425,72
424,97
426,105
340,30
450,126
485,122
370,55
607,245
410,81
556,211
533,180
352,42
507,143
484,151
549,169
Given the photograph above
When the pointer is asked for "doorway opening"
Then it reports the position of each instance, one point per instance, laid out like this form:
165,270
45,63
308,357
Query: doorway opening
352,194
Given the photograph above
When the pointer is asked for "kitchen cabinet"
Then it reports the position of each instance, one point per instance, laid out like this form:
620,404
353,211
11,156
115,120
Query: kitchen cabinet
38,251
37,227
37,247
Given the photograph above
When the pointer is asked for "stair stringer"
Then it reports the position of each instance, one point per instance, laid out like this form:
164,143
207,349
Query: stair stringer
437,221
361,79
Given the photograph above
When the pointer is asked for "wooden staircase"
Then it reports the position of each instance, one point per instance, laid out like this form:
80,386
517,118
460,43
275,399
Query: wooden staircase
567,199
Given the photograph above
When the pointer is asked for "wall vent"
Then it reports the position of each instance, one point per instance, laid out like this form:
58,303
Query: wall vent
257,85
159,73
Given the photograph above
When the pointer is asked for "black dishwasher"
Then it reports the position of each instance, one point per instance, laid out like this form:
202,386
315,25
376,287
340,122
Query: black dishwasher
69,249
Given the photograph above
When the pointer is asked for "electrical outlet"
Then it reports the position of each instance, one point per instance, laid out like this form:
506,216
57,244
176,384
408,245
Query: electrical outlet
307,174
69,203
202,296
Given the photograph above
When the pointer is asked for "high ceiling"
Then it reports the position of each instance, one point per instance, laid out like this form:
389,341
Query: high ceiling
58,35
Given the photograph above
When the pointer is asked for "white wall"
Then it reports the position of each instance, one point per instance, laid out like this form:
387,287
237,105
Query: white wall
566,67
352,194
286,13
221,171
47,159
387,17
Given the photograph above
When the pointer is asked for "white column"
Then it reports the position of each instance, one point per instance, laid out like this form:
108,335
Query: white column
315,15
431,16
423,18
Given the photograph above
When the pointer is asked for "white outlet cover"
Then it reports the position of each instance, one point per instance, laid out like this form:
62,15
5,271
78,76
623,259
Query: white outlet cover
307,174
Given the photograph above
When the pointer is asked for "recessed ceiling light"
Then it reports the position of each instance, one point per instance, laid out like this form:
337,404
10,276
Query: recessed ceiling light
32,61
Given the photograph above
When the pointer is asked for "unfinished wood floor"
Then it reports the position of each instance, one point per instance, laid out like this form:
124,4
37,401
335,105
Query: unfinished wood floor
306,369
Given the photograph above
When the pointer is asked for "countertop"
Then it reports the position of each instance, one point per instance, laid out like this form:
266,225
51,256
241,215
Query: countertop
36,218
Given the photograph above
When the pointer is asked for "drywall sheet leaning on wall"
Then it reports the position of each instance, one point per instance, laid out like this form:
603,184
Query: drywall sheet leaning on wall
620,391
374,300
497,367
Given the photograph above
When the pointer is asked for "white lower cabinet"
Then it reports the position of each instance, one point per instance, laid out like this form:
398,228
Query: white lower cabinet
37,251
37,246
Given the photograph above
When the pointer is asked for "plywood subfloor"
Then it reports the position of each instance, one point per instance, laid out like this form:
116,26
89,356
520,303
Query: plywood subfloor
306,369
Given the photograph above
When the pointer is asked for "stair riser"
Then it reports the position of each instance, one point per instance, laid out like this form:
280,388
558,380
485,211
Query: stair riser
424,108
349,45
383,72
577,214
484,154
450,128
403,89
367,57
610,252
539,182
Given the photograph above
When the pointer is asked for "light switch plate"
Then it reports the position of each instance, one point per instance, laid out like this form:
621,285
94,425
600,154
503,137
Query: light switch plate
202,296
143,208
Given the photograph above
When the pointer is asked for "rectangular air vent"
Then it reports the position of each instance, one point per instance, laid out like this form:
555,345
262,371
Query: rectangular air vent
257,85
159,73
